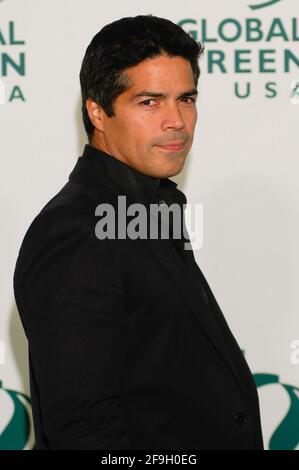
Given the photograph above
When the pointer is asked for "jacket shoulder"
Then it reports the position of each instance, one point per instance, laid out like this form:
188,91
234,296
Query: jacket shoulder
71,211
78,197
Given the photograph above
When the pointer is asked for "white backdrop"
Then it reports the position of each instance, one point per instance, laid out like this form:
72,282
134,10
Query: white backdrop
243,168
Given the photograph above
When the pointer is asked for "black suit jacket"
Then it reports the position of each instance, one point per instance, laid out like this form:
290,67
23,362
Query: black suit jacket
128,347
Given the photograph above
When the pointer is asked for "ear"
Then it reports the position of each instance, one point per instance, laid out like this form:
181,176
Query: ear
95,114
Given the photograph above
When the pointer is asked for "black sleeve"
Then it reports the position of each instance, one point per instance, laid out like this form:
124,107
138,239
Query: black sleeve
70,296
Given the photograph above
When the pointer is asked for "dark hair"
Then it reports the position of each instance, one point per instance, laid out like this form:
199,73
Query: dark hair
122,44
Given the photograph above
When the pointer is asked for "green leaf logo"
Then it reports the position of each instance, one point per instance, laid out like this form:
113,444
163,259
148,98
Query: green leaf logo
15,435
286,434
264,4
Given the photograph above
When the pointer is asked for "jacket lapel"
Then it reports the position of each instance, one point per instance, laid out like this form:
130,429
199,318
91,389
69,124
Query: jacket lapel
185,282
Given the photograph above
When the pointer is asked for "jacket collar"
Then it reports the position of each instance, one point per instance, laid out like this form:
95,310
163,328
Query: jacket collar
137,186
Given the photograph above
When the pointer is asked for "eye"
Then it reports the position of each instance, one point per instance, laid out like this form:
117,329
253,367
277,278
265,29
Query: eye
145,102
189,98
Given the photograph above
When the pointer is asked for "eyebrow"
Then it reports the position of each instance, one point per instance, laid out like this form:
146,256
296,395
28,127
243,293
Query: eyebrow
163,95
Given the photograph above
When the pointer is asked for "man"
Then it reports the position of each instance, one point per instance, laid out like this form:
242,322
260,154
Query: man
128,348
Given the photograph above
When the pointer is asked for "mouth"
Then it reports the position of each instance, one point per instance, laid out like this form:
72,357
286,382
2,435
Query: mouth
171,147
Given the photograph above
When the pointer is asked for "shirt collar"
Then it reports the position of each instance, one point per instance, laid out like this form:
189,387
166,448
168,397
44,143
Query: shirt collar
138,186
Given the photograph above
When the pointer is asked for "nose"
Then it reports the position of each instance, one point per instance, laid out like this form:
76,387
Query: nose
172,117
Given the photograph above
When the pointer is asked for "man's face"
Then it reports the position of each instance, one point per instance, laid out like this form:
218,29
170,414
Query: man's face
143,125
